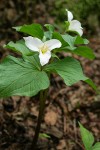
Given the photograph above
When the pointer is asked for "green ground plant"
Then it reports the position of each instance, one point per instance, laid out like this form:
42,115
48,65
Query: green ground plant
29,74
88,139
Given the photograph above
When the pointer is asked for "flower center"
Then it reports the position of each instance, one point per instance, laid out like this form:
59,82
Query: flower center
44,48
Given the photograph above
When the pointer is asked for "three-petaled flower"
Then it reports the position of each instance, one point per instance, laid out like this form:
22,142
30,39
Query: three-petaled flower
44,48
74,25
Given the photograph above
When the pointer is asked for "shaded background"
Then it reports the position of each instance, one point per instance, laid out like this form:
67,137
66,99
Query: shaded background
19,12
66,105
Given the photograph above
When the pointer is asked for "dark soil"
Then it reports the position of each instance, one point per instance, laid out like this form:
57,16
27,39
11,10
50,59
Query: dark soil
65,106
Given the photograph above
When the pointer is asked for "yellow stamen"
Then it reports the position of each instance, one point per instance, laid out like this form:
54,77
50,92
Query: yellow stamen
44,49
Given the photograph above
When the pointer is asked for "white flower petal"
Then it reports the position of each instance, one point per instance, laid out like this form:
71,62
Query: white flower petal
44,58
80,31
70,15
33,43
52,44
75,25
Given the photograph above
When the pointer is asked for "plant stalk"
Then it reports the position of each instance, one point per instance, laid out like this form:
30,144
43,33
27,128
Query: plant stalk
43,95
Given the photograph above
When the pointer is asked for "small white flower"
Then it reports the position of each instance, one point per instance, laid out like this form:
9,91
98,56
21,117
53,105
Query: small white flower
74,25
44,48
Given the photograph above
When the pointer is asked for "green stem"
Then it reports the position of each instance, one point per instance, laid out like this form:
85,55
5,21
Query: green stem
43,95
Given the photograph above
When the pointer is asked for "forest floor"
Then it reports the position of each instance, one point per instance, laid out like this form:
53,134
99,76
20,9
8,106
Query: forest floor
65,106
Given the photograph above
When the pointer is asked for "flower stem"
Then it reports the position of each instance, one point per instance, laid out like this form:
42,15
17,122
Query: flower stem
43,95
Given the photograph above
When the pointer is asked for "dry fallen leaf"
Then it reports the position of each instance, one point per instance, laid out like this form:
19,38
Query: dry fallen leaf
61,145
51,118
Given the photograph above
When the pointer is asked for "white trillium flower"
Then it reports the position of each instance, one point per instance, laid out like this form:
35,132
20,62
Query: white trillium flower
74,25
44,48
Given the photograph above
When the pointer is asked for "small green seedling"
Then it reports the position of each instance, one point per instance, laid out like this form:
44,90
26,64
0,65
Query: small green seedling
88,139
44,135
29,74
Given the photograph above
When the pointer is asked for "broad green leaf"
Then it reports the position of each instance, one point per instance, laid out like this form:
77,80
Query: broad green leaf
84,51
80,40
34,60
75,40
96,146
35,30
18,77
70,40
19,47
87,137
69,69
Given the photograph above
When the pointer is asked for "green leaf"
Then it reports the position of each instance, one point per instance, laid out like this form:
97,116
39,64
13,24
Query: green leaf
80,40
49,27
76,40
69,48
84,51
96,146
18,77
34,60
90,82
50,31
35,30
69,69
87,137
48,35
54,55
43,135
70,40
19,47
